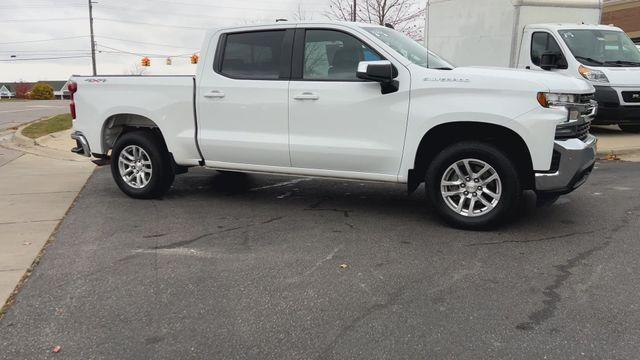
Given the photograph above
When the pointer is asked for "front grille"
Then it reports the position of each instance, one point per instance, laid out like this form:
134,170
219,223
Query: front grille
572,131
578,128
555,161
586,98
582,131
631,96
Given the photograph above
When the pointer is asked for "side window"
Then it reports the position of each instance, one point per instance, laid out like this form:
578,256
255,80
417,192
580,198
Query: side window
542,42
334,55
253,55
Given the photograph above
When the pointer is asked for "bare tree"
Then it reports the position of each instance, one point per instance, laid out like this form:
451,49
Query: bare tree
407,16
301,14
135,69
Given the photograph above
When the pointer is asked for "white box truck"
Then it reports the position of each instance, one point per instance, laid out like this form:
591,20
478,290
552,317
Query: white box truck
562,36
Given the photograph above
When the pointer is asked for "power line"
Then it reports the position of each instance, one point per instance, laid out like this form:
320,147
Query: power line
142,54
43,40
47,58
40,6
214,6
191,15
146,43
40,51
150,24
41,20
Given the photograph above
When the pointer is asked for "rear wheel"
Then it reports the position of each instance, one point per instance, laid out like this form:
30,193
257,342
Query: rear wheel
630,128
141,165
473,185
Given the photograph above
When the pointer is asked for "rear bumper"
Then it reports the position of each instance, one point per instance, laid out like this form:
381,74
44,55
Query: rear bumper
82,145
576,160
611,111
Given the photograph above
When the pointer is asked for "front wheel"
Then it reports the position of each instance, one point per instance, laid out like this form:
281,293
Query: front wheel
473,185
630,128
141,165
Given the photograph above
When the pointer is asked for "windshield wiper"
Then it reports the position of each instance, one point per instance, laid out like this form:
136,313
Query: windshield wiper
597,62
623,62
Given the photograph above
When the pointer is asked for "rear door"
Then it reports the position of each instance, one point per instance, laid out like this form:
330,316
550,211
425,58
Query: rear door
242,100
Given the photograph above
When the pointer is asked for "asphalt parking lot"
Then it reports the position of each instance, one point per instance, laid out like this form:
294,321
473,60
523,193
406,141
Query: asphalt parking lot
249,267
16,113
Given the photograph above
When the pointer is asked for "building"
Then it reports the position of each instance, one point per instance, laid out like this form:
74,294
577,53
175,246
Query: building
624,14
5,92
60,88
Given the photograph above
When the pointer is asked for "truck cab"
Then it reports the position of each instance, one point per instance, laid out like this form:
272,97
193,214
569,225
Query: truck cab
603,55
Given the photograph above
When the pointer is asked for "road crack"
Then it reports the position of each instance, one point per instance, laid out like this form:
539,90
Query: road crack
546,238
538,317
391,300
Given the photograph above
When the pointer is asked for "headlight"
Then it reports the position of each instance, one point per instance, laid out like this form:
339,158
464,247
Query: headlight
565,101
556,99
593,75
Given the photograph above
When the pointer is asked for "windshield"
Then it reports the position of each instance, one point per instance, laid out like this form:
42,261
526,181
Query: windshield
601,47
409,49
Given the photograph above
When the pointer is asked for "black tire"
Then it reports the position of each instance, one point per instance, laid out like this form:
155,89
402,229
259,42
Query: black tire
511,189
162,174
630,128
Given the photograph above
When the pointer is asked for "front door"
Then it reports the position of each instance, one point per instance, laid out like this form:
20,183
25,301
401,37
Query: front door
242,100
338,122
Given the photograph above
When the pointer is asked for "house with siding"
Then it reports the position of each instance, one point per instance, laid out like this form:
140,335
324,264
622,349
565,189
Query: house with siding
60,88
5,93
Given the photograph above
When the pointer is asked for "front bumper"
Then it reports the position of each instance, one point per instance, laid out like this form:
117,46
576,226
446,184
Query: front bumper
82,145
611,110
575,159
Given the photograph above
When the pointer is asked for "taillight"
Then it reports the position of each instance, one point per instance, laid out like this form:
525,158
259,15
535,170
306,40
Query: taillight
73,87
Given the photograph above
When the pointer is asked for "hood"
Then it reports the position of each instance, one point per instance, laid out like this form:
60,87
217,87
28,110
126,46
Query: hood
525,79
621,76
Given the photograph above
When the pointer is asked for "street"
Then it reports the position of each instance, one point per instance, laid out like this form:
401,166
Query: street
15,113
261,267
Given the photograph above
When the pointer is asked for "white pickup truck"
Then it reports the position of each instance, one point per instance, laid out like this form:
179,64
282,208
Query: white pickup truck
348,101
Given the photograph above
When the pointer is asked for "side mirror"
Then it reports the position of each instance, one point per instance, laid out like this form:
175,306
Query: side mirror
551,60
381,71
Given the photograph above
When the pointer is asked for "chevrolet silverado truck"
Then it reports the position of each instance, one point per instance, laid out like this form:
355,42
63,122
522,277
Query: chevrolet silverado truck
347,101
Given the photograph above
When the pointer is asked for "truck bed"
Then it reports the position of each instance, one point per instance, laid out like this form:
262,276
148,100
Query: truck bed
168,100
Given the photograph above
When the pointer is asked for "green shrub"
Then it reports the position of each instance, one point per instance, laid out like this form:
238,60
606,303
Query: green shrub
41,91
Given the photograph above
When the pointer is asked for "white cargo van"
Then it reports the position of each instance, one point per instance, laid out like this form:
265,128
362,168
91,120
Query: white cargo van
554,35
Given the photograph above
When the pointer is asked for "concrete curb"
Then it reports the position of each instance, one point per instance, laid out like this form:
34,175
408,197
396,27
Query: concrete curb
22,140
631,154
40,145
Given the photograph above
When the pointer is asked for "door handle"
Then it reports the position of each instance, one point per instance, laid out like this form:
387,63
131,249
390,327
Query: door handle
306,96
214,94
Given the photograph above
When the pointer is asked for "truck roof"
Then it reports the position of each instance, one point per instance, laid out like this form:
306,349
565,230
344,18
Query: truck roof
572,26
287,23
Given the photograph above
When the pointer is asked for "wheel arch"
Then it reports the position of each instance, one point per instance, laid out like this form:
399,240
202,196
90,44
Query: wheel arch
117,124
443,135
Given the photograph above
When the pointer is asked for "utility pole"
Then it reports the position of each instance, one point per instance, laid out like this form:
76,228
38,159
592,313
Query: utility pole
353,14
93,42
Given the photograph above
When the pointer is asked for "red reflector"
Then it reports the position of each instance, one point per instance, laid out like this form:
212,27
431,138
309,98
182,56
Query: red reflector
73,88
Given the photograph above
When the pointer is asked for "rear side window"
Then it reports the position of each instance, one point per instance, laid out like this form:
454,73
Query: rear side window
253,55
542,42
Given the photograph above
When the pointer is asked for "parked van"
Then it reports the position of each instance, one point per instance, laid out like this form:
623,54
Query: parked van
552,35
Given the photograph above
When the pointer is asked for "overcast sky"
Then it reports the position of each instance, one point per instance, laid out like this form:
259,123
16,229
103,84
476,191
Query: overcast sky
144,27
